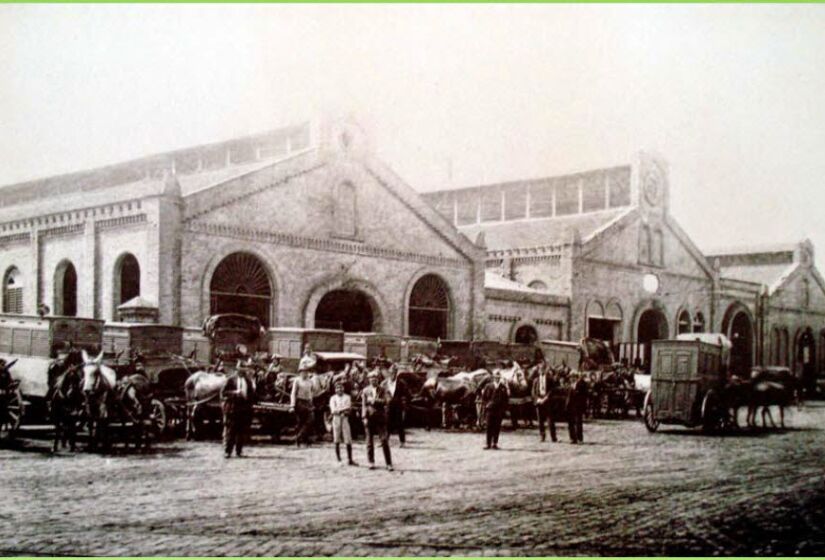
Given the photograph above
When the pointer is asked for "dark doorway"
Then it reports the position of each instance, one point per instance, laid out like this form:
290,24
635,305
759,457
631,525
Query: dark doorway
652,326
601,329
129,278
526,335
806,358
69,291
348,310
741,336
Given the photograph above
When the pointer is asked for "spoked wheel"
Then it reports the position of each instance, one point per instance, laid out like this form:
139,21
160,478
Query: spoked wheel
11,418
158,417
651,423
712,416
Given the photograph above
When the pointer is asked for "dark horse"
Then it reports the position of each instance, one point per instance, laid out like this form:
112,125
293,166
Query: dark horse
772,387
134,403
65,398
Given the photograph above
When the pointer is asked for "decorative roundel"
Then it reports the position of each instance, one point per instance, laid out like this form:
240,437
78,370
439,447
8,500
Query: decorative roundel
653,187
650,283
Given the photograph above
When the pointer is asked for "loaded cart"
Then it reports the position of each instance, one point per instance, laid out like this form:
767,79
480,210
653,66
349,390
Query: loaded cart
687,381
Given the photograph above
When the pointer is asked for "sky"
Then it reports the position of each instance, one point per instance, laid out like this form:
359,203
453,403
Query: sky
731,96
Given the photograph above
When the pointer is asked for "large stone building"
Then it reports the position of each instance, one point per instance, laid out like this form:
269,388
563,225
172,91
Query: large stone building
304,227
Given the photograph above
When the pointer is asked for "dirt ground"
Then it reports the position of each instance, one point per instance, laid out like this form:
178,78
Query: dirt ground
624,492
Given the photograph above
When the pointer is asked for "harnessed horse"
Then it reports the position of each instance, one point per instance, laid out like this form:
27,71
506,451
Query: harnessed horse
99,382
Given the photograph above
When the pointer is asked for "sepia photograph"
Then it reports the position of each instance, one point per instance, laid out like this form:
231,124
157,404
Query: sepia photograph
371,280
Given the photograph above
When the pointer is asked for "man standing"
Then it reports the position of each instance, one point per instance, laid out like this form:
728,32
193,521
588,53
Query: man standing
301,401
374,402
236,404
494,397
397,390
542,397
340,405
576,404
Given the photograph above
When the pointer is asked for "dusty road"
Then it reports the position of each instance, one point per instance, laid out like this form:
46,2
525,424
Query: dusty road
623,492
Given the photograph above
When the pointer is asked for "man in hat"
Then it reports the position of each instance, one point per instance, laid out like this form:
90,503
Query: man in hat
542,394
576,403
340,405
301,401
494,400
397,409
374,402
236,403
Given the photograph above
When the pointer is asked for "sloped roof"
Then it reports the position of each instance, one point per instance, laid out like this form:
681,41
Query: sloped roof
493,280
767,274
750,249
540,232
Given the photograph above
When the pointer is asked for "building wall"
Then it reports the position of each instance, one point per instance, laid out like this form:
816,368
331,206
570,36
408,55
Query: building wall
507,311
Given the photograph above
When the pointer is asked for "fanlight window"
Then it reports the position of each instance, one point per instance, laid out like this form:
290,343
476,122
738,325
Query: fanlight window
685,325
241,284
13,291
429,308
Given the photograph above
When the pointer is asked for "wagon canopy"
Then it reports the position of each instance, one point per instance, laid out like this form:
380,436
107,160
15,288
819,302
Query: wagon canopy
717,339
598,352
246,325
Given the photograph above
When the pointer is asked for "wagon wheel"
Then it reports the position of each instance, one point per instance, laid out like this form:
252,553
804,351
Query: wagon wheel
158,417
651,423
711,412
13,416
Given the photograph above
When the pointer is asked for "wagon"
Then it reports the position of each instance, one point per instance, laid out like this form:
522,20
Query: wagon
374,346
687,381
558,353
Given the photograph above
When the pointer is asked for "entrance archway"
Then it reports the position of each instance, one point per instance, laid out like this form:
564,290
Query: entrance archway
526,334
429,308
652,326
740,333
241,284
348,310
65,289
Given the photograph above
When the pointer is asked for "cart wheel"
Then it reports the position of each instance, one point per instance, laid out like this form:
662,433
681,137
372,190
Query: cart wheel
158,417
15,408
711,412
651,423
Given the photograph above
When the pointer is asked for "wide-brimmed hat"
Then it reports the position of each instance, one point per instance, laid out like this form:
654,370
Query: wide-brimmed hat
307,363
373,374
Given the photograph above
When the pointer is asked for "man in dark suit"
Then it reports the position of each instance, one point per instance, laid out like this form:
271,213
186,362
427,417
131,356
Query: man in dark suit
399,397
236,402
576,404
542,397
494,398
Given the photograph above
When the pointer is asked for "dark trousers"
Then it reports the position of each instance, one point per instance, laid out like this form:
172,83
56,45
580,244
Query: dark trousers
236,423
575,423
493,420
545,414
397,416
377,426
305,416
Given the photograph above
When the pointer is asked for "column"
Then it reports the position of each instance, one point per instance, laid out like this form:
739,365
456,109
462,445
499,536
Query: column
87,304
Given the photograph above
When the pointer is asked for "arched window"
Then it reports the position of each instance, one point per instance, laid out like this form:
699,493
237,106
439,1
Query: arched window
684,324
345,216
644,244
537,285
804,294
65,289
429,308
699,322
657,253
525,334
13,291
127,279
240,284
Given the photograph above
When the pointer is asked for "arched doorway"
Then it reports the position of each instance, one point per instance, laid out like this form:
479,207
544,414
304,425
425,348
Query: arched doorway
12,291
652,326
526,334
240,284
740,334
348,310
65,289
805,356
429,308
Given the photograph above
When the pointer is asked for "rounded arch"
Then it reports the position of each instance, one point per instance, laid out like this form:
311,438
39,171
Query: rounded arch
65,289
538,285
429,307
649,324
594,308
13,284
683,321
371,296
212,265
125,280
613,311
524,333
408,292
699,323
805,357
241,283
738,326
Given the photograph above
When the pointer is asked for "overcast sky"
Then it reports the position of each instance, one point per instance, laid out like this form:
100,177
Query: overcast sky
732,96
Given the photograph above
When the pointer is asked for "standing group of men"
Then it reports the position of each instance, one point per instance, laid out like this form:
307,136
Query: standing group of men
495,399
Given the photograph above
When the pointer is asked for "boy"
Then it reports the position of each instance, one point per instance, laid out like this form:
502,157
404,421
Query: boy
341,405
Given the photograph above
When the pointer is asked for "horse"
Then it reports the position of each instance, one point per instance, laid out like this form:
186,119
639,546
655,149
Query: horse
457,392
66,404
99,382
521,397
772,388
200,388
134,400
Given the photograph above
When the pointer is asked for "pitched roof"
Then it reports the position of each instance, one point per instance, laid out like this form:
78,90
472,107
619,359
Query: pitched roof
540,232
768,274
750,249
494,280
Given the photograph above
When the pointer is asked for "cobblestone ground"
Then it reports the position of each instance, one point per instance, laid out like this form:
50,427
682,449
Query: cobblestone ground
623,492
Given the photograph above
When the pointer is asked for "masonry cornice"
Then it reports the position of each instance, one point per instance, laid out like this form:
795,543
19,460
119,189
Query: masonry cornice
319,244
62,223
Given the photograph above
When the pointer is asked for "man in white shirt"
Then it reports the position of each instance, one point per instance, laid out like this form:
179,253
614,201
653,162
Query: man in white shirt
301,403
340,405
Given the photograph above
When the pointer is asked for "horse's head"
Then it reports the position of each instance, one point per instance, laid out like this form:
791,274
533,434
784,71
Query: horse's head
96,376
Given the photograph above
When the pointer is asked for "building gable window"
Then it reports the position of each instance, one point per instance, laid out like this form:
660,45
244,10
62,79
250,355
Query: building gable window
13,291
684,323
345,215
644,244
